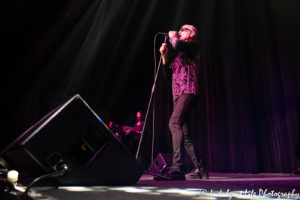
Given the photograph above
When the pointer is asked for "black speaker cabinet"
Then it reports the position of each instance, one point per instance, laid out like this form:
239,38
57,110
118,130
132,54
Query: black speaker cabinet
161,162
75,135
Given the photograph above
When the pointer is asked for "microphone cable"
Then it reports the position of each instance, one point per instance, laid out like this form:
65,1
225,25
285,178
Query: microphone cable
152,93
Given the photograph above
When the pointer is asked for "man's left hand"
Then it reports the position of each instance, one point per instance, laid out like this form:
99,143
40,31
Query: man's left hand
173,33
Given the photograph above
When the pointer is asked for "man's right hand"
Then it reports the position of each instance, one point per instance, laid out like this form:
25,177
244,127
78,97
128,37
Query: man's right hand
164,49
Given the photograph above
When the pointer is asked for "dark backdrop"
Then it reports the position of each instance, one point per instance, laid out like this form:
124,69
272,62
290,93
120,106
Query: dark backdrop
247,115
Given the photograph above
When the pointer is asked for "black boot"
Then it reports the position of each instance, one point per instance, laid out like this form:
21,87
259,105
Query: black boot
175,174
198,173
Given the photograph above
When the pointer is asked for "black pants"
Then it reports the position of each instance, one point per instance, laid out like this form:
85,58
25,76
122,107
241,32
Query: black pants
179,129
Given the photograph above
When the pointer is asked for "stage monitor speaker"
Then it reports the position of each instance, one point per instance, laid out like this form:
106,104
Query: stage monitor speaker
161,163
73,134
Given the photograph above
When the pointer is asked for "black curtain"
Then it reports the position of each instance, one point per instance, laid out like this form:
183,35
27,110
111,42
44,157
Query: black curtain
247,115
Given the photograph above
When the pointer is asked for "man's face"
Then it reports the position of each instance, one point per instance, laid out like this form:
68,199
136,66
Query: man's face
186,33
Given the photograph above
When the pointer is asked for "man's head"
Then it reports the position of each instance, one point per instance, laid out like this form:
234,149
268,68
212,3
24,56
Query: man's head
188,32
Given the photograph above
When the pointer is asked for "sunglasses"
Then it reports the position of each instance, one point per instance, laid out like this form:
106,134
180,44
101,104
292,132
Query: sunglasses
184,29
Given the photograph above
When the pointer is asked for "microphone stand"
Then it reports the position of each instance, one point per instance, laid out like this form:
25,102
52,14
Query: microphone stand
152,92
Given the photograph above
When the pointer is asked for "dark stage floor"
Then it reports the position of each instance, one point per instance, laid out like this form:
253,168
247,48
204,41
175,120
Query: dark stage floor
219,186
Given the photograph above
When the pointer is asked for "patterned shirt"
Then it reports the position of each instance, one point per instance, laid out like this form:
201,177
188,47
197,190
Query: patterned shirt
185,67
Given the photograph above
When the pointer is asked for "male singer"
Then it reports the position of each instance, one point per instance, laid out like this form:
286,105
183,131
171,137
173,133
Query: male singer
184,72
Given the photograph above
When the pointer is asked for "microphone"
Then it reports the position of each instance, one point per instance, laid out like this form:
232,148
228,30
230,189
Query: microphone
162,33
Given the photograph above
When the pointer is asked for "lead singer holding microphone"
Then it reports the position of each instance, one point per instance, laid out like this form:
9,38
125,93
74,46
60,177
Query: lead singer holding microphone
184,73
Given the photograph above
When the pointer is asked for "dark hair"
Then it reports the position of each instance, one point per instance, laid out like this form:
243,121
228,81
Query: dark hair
143,115
113,125
141,112
113,122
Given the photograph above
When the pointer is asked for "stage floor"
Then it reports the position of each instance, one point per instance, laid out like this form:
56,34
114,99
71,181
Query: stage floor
219,186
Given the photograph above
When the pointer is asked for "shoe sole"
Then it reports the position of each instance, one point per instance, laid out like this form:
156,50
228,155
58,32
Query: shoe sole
195,177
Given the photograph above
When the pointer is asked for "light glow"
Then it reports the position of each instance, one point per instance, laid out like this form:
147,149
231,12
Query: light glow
12,176
131,189
193,193
83,189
